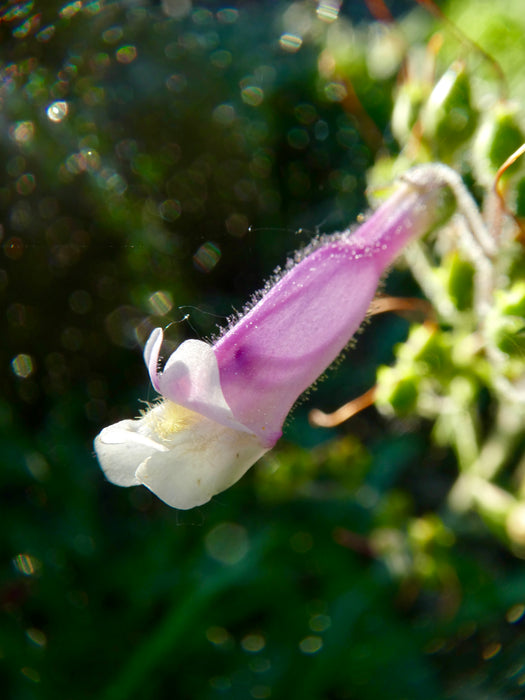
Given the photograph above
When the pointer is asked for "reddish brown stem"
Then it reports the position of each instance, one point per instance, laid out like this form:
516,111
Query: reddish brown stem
498,198
320,419
352,540
379,10
381,305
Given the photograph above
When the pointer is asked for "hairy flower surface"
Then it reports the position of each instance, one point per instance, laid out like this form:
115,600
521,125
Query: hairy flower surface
224,404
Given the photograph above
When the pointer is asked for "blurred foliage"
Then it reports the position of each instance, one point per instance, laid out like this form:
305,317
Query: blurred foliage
159,160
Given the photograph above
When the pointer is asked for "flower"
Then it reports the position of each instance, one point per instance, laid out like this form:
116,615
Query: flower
224,403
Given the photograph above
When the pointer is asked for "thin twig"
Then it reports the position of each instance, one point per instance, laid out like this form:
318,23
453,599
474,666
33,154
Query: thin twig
320,419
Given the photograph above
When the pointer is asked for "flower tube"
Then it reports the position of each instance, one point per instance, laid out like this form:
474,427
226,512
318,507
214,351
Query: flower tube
224,404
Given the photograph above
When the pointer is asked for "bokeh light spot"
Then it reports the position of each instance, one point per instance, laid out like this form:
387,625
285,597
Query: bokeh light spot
30,673
177,9
221,58
25,184
93,95
491,650
28,27
237,225
177,82
92,8
91,159
109,180
218,636
37,466
23,365
26,564
22,132
228,15
170,209
126,54
305,112
160,303
15,166
224,114
21,217
260,664
14,248
70,9
290,42
227,543
207,256
36,637
101,60
75,164
57,111
328,10
252,95
335,92
19,10
515,613
319,623
202,16
45,34
123,323
112,35
311,644
253,643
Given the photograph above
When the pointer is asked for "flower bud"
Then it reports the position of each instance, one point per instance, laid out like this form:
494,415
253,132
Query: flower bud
507,334
459,277
407,106
449,117
499,136
396,392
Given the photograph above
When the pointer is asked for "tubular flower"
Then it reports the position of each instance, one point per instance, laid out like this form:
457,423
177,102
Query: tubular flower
224,403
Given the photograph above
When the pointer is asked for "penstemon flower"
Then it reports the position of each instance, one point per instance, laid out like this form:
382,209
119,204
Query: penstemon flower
224,404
